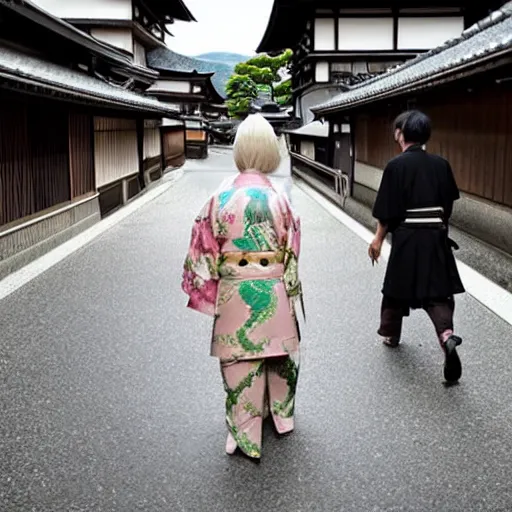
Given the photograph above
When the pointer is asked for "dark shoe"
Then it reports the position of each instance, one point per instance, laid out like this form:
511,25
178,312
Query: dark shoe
452,364
391,341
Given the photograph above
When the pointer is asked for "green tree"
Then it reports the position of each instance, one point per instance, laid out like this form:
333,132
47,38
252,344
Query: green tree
283,93
260,73
240,90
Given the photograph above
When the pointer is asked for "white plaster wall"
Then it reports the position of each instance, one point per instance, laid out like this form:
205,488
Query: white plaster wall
171,122
297,109
365,34
118,37
307,149
367,175
427,33
139,54
90,9
171,86
315,97
322,72
324,34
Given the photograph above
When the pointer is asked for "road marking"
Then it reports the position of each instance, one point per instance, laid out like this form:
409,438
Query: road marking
17,279
488,293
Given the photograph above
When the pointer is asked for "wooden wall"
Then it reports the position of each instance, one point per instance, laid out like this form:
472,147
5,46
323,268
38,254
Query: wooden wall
115,149
473,130
196,135
174,147
374,144
34,171
81,154
152,142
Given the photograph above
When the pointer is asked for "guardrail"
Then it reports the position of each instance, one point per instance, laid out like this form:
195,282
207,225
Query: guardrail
341,180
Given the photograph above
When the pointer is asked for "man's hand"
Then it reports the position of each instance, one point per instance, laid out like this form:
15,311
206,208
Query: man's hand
375,249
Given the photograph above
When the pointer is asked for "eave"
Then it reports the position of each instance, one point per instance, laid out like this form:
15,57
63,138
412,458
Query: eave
32,75
169,9
285,27
430,82
192,76
177,97
481,48
36,88
139,32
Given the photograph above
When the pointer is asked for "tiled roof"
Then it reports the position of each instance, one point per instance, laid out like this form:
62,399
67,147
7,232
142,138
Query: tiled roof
489,37
164,58
21,67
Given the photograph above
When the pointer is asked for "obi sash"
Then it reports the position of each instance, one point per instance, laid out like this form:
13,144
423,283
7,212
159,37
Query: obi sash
239,265
424,218
252,265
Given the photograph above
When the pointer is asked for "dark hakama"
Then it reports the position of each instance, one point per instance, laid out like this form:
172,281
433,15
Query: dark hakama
421,266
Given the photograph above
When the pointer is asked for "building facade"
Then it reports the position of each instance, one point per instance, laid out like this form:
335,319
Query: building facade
465,86
189,84
339,44
78,135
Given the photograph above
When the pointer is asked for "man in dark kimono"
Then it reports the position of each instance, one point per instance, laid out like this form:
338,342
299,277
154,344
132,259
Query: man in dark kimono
414,204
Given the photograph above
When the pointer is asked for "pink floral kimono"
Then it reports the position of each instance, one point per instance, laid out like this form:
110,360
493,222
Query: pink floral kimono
241,269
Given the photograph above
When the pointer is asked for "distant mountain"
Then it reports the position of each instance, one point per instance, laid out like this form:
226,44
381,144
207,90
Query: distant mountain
224,57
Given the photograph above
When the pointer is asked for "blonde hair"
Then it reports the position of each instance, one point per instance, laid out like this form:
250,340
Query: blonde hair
256,146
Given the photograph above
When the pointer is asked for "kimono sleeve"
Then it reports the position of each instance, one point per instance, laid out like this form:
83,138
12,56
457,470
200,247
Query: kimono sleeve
451,191
200,273
389,206
292,253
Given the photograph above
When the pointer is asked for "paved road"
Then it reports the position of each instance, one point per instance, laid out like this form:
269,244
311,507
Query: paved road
109,401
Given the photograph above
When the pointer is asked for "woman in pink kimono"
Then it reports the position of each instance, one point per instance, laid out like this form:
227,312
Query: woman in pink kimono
241,269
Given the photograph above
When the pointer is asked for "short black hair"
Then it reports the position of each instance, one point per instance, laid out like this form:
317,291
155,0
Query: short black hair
415,126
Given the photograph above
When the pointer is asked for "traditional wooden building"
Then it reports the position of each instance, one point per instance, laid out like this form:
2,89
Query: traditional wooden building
276,115
338,44
75,134
134,28
197,94
465,86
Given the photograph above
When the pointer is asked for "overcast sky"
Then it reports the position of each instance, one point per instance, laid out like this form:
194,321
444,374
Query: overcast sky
222,26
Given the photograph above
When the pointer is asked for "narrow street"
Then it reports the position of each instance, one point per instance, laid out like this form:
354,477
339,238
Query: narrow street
110,401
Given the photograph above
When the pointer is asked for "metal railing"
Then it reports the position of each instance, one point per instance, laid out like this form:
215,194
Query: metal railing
341,180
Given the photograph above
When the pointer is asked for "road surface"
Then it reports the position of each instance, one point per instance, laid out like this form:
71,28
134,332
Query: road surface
110,402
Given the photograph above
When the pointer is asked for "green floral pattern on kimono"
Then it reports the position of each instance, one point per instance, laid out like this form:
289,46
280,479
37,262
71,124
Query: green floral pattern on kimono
290,372
258,224
248,217
258,295
233,397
